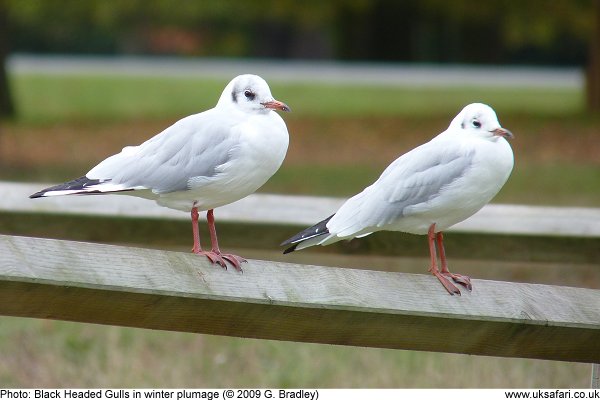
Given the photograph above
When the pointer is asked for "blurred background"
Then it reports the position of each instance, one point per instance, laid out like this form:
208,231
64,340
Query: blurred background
367,81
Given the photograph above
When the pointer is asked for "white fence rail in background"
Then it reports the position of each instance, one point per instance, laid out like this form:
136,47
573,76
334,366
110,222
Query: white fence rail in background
304,211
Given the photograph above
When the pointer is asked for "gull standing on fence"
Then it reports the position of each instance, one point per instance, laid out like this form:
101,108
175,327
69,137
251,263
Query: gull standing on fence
201,162
427,190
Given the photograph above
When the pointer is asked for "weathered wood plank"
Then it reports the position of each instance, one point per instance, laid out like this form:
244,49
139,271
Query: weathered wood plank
45,278
304,211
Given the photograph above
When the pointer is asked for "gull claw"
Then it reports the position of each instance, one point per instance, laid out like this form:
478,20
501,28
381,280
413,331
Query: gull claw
463,280
449,286
236,261
216,257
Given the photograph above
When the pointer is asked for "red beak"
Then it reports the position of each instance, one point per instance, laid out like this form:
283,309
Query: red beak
503,132
277,105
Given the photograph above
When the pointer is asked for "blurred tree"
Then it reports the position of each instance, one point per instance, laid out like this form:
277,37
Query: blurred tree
593,70
7,109
465,31
217,28
494,31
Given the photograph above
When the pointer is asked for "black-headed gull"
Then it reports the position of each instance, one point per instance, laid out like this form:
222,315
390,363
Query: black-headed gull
427,190
201,162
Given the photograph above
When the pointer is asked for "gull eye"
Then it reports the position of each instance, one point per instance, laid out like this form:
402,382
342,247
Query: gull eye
476,124
249,94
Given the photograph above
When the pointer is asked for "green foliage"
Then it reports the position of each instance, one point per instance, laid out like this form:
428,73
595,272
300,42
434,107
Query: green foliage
98,26
492,31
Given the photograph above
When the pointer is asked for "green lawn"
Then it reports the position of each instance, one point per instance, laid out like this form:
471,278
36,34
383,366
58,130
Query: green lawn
44,98
540,184
35,353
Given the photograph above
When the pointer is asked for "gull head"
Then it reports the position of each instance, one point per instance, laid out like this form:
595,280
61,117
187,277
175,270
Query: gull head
481,120
251,94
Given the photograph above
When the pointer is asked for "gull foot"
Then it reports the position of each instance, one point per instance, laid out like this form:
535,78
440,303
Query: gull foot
463,280
217,257
213,257
236,261
449,286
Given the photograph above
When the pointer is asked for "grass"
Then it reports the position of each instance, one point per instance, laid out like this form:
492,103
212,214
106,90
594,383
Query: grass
56,99
341,139
554,184
550,184
52,99
42,353
425,102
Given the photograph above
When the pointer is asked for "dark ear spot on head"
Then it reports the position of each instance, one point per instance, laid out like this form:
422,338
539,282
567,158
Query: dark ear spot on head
234,96
461,125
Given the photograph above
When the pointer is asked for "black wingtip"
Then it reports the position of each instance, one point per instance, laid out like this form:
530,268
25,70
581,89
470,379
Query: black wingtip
76,184
290,249
309,233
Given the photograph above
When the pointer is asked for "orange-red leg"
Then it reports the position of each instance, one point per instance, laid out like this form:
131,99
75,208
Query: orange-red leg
460,279
232,258
449,286
197,249
195,233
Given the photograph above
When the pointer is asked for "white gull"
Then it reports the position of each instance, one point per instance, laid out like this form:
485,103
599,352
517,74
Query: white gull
201,162
427,190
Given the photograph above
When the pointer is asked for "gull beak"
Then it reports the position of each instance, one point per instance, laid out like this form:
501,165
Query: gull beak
505,133
276,105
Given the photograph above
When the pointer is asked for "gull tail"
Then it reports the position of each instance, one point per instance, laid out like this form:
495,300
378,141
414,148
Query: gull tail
308,237
81,185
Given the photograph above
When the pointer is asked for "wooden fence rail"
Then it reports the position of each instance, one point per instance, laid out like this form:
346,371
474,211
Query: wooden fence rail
304,210
45,278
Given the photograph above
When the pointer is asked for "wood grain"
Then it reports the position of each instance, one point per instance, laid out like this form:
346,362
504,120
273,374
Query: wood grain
44,278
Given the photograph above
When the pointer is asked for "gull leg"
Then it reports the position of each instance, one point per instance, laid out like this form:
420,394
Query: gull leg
197,249
449,286
460,279
195,233
232,258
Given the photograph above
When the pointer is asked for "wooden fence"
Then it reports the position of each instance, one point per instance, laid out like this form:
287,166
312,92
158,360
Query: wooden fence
45,278
305,210
156,289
